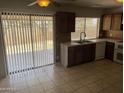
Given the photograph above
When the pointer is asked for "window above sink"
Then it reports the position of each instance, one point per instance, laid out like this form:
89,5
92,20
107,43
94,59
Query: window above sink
89,25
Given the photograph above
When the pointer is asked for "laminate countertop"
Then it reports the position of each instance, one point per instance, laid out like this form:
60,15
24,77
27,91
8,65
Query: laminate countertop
75,43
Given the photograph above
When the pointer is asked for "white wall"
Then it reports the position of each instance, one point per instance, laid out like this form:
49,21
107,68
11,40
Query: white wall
114,10
83,11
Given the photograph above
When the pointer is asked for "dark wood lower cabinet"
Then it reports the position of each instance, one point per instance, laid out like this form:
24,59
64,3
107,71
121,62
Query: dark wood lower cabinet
71,56
109,50
81,54
86,53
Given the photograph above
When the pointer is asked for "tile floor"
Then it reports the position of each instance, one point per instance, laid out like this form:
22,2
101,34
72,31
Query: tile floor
101,76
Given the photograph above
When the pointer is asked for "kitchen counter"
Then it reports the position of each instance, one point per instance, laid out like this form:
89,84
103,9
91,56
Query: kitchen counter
74,53
105,39
73,43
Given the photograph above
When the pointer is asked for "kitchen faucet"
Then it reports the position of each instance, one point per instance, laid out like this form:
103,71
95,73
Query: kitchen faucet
81,40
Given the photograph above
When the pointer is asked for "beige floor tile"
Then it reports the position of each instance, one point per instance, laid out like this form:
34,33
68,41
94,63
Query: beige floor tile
66,88
102,76
94,87
111,90
75,84
22,91
36,89
48,85
20,86
83,90
88,80
7,92
59,82
53,90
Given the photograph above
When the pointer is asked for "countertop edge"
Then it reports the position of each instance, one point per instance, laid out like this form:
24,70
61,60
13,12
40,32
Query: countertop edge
72,43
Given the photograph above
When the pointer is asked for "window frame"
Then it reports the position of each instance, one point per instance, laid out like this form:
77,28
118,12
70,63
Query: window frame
84,28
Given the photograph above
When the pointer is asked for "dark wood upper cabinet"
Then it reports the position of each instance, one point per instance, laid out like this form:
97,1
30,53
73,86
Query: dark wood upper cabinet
71,22
116,21
65,22
112,22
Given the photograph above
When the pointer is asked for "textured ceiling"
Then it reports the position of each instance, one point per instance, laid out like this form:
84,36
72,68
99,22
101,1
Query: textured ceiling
79,3
92,3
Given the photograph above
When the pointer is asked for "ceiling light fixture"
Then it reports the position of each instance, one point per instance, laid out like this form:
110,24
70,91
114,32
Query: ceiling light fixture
119,1
43,3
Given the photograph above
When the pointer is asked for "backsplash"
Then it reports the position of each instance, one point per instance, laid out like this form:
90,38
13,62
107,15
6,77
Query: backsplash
112,34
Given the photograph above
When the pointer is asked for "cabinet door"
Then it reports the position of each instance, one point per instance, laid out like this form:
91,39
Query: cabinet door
65,22
71,56
116,21
61,22
82,54
85,53
109,51
100,50
107,22
92,52
79,54
71,22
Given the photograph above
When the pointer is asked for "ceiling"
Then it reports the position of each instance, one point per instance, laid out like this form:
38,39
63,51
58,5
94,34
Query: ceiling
91,3
79,3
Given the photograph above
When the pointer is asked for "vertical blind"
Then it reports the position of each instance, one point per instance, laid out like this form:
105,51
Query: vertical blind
28,41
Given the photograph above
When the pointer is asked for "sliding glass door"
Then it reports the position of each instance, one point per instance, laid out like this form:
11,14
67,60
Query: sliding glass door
42,35
28,41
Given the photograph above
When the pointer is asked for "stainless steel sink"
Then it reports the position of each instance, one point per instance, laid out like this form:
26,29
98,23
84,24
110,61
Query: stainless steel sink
82,42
